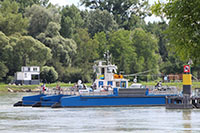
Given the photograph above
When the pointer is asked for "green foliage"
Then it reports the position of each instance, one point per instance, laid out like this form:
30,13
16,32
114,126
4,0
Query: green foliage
99,21
158,28
70,20
183,30
9,79
146,50
3,71
86,48
23,4
122,51
40,17
114,25
63,49
133,22
30,52
10,20
48,74
72,75
122,10
101,43
4,41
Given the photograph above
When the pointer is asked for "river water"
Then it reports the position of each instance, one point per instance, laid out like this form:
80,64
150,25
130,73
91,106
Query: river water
107,119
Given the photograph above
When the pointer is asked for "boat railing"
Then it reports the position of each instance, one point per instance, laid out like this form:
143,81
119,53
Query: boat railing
92,93
164,90
63,90
75,91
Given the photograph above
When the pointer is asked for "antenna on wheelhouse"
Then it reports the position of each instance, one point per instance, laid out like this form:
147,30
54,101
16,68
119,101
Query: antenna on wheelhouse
107,57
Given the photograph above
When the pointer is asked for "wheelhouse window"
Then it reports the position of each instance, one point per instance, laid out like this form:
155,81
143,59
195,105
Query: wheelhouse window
102,71
117,84
109,70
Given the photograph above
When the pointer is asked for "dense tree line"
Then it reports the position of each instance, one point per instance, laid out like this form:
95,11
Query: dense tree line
65,41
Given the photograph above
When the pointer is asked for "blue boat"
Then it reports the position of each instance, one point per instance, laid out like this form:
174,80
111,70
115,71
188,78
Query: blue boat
31,100
108,89
41,100
120,97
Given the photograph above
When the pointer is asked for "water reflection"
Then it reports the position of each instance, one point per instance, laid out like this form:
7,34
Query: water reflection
187,119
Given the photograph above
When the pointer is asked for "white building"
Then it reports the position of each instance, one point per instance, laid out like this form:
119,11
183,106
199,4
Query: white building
28,75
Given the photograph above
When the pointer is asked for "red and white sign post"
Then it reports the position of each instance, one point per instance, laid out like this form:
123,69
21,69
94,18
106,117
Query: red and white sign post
187,69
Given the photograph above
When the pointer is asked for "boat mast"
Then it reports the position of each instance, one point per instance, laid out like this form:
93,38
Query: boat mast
107,57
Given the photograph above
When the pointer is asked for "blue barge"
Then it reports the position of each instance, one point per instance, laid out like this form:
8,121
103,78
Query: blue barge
109,89
117,98
120,97
41,100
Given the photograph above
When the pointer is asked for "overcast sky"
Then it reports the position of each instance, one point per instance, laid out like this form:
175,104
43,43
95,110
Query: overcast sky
76,2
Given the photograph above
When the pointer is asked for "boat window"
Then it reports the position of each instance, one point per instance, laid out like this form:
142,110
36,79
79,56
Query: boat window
102,71
109,70
117,84
123,84
110,83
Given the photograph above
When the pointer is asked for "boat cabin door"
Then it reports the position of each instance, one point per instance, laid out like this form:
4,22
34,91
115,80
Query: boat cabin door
123,84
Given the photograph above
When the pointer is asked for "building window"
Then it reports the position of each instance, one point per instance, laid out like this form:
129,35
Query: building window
34,77
25,74
35,69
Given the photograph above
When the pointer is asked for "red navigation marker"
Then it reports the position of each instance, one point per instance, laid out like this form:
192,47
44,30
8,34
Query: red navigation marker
186,68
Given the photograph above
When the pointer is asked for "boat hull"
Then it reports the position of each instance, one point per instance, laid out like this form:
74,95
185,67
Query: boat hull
40,100
49,100
111,101
31,100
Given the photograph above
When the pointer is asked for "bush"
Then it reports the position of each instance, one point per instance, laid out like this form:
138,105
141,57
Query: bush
74,74
48,74
9,79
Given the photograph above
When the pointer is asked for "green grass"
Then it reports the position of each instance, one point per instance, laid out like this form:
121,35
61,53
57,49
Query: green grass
4,87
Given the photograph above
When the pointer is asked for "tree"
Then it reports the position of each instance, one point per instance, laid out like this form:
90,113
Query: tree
63,49
146,50
86,54
121,9
183,30
10,20
48,74
122,51
158,29
99,21
86,48
23,4
70,20
40,17
4,42
5,55
30,52
101,43
3,71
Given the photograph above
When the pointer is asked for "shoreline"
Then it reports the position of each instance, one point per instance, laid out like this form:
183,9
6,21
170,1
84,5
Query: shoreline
36,88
